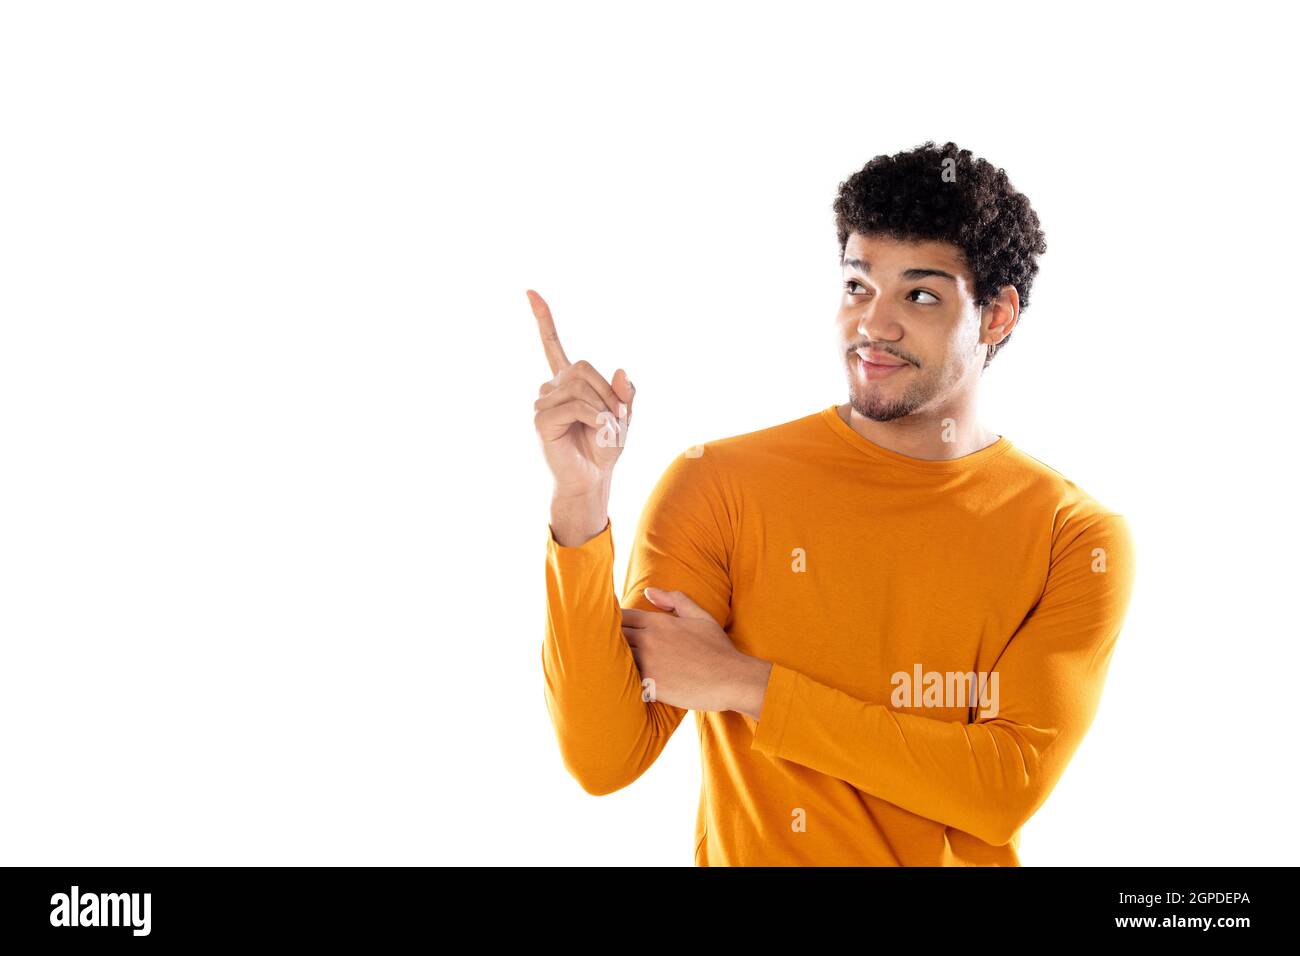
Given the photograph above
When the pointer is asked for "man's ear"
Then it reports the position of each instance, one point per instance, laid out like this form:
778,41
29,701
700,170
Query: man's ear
1000,316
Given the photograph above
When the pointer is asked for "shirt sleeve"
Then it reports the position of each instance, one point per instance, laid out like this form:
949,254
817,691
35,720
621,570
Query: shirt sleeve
608,731
986,777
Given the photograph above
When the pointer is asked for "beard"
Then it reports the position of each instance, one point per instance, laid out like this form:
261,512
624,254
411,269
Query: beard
876,400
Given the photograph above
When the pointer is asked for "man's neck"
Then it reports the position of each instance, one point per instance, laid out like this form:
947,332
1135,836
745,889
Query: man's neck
929,437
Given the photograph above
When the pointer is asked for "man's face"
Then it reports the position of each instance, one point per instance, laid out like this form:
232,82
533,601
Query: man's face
910,307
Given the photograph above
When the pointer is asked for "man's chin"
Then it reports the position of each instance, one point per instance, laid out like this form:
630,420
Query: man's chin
878,410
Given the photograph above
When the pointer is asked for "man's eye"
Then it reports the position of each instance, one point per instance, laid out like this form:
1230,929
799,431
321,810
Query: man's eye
850,283
933,297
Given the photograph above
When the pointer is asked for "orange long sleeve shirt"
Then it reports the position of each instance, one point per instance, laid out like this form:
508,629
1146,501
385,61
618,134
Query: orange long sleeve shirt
939,633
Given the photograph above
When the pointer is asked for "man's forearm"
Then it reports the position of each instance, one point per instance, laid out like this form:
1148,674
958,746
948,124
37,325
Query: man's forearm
609,732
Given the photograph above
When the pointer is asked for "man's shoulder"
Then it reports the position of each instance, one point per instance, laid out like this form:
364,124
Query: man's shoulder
772,440
1075,511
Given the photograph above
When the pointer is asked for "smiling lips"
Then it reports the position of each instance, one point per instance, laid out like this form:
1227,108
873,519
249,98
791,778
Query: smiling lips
876,365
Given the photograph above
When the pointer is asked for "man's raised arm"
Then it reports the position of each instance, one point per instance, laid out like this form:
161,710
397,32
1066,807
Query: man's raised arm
609,727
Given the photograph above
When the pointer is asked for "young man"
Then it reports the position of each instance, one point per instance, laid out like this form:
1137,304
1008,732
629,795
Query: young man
892,625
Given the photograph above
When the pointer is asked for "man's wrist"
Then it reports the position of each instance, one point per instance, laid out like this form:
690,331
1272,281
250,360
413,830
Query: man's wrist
576,520
751,686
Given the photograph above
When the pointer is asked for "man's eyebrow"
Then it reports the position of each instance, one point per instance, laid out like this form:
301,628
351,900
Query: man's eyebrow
909,274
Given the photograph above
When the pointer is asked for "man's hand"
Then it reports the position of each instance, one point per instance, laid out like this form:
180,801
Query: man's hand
581,418
581,421
690,659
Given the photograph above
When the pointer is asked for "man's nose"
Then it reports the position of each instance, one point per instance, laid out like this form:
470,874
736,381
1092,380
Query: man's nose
877,321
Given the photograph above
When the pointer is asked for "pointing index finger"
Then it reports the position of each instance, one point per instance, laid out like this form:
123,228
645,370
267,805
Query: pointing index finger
550,338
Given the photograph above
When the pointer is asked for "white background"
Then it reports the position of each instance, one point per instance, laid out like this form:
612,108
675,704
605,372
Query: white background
272,511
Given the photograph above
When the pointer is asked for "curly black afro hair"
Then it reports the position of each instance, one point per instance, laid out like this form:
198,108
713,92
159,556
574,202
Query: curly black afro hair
946,194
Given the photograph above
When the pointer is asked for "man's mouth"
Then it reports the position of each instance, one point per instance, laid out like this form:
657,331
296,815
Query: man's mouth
877,365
